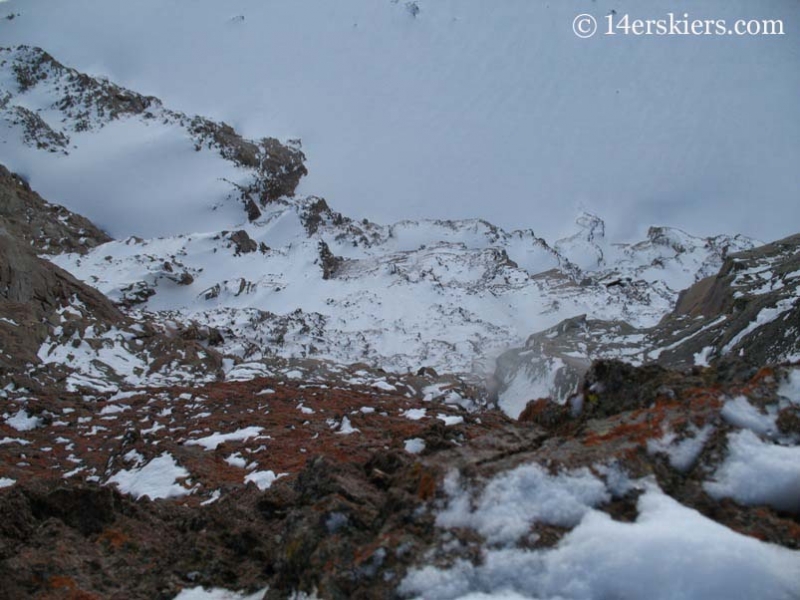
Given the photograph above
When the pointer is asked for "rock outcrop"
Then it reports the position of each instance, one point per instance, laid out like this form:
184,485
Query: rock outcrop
55,329
45,227
749,310
355,508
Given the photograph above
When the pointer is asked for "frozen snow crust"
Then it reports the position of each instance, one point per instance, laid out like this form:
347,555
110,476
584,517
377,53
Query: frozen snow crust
670,551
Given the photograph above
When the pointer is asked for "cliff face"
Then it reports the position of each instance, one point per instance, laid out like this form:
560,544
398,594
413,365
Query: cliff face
31,289
757,292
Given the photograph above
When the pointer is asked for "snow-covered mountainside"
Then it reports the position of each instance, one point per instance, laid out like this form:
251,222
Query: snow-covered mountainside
305,281
125,161
465,108
215,381
295,279
748,312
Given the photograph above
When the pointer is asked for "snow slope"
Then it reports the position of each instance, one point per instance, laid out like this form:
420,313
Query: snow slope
136,174
667,551
470,108
298,279
449,294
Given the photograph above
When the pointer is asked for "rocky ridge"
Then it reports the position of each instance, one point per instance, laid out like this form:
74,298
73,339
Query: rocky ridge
306,504
45,103
749,310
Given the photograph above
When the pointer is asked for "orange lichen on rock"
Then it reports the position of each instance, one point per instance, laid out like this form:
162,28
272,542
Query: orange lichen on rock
113,538
426,489
644,425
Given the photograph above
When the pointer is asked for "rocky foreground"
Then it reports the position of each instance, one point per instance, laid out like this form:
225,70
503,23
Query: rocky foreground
341,491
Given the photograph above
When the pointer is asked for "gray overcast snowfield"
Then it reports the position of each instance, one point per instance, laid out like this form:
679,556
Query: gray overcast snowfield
492,205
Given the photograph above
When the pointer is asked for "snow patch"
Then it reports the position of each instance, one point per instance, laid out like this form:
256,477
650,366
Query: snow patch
757,472
415,414
701,358
10,440
682,452
210,442
414,445
236,460
22,421
200,593
346,428
669,552
450,419
156,479
262,479
513,501
740,413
